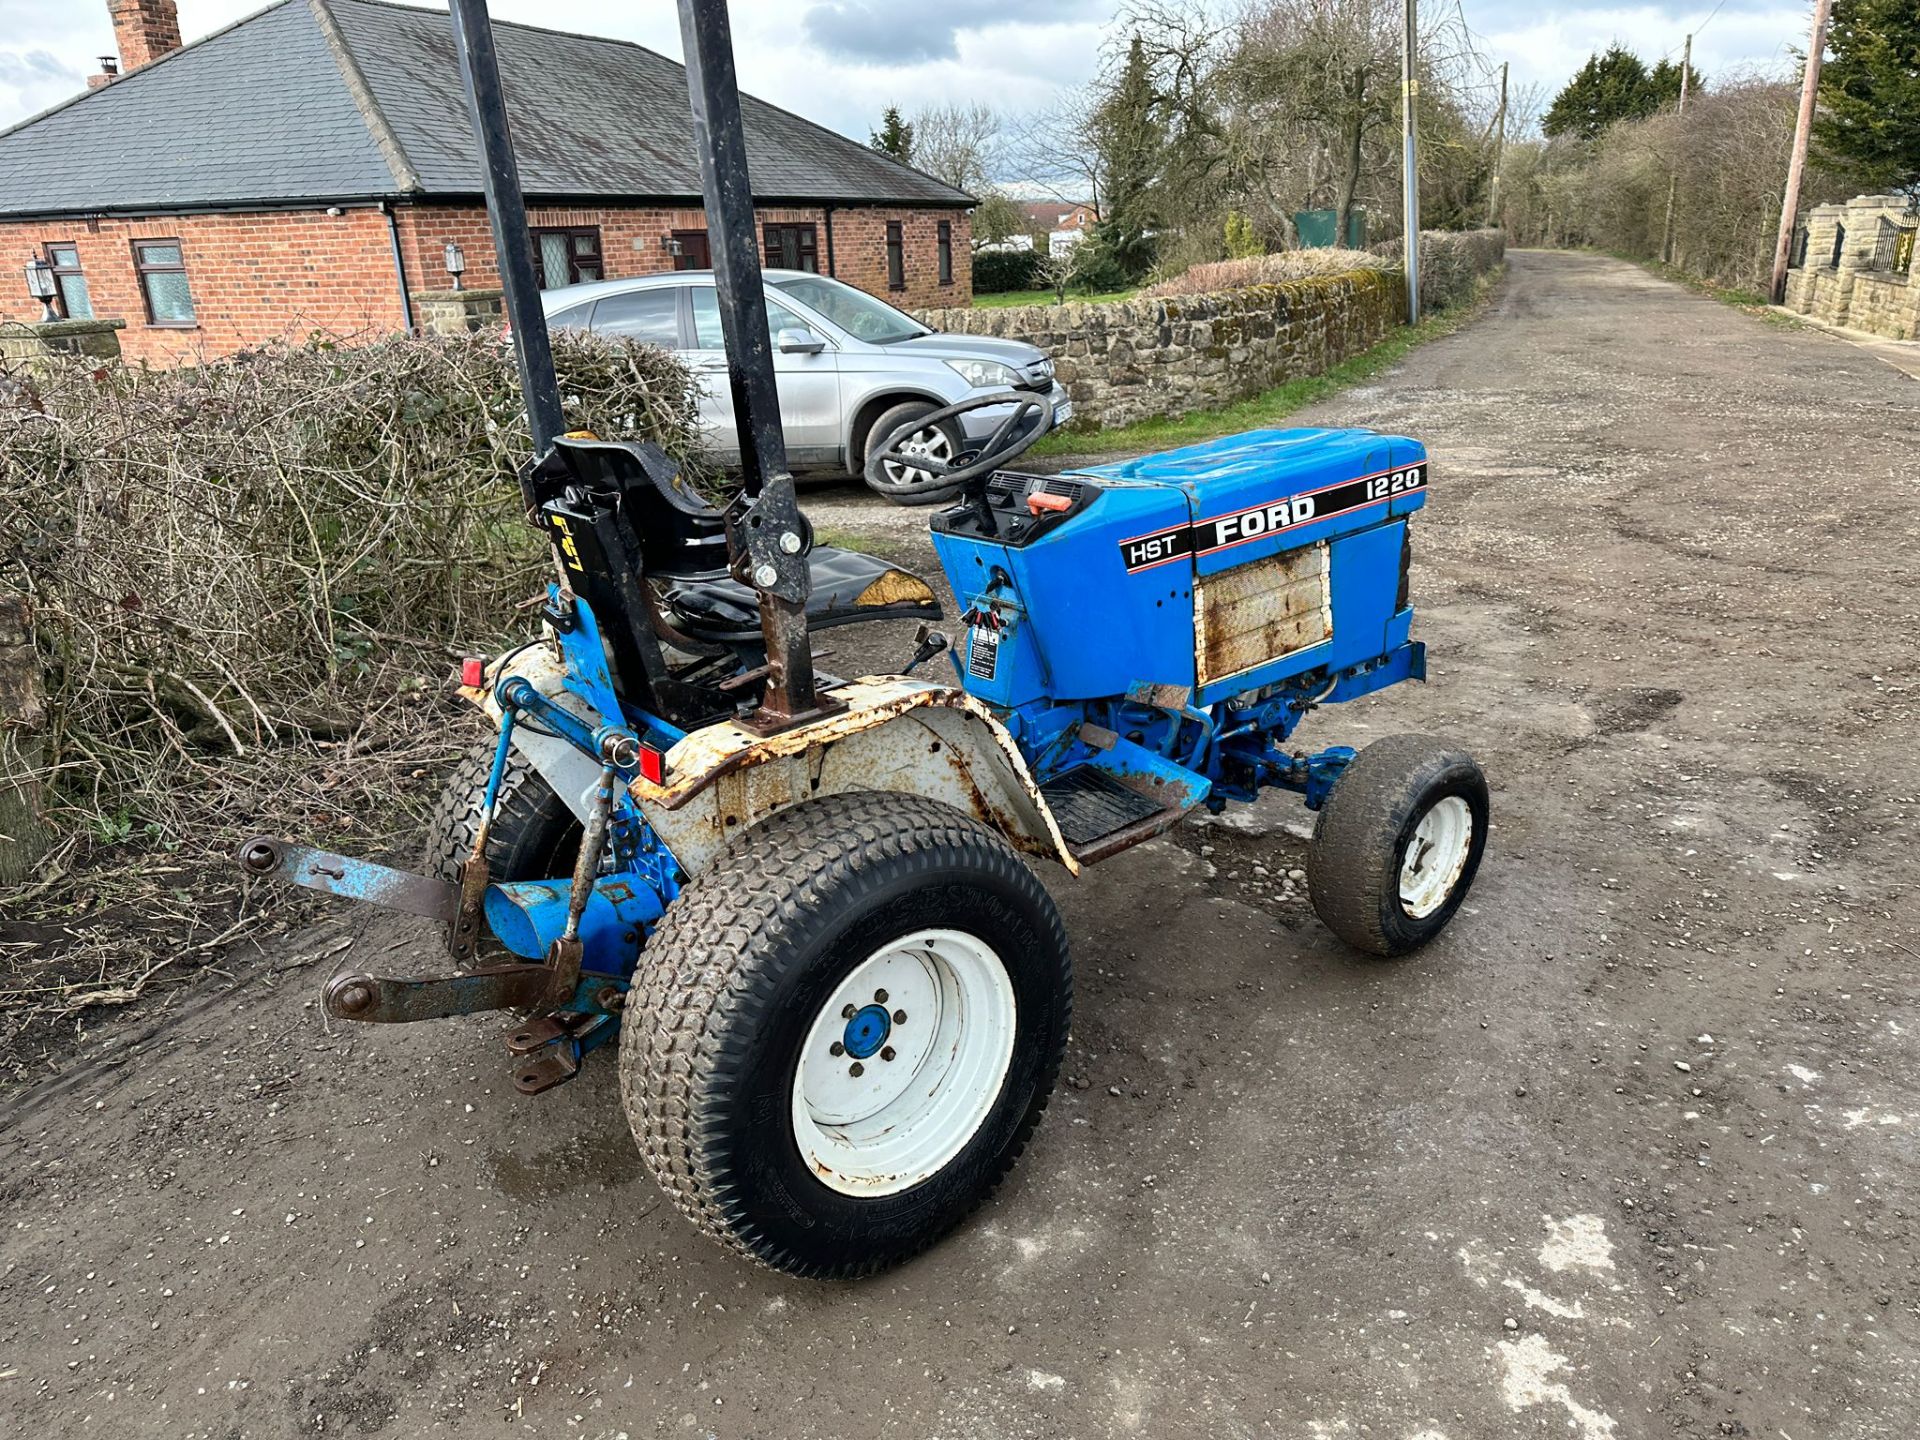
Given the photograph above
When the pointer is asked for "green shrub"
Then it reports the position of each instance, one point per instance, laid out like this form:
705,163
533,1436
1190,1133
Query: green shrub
997,271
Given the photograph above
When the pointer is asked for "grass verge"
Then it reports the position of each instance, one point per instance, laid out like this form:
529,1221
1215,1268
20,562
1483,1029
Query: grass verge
1004,298
1270,406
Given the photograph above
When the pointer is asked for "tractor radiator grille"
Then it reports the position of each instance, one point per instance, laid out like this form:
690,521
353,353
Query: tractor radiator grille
1259,612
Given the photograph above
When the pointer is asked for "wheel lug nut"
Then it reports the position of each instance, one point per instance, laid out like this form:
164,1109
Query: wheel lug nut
836,1048
846,1012
879,997
899,1017
856,1070
887,1054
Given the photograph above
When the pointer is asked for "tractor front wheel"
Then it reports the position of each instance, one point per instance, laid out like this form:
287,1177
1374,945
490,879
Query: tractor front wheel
1397,843
844,1031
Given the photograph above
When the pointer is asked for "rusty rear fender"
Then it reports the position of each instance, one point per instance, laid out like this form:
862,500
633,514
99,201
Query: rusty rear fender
897,733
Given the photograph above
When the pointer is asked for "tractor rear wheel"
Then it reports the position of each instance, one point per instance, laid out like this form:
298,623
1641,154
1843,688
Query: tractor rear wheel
534,834
845,1030
1398,842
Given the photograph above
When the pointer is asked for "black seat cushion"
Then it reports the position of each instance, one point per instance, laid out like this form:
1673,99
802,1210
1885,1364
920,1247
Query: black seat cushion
848,587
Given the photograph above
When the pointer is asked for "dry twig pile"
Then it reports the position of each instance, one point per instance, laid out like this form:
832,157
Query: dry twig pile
249,581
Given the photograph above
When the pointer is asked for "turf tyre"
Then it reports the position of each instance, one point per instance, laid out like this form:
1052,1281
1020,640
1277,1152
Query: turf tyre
1360,843
534,834
736,974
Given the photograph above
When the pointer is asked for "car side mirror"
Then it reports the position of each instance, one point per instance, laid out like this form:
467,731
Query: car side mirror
795,341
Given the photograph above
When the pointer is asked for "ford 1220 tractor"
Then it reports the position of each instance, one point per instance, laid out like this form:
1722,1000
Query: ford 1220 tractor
804,904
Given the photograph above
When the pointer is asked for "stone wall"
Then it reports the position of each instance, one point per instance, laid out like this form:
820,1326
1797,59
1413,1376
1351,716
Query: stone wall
1844,289
1143,359
28,345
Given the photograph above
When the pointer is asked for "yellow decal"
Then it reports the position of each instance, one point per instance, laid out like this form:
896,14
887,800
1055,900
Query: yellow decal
567,549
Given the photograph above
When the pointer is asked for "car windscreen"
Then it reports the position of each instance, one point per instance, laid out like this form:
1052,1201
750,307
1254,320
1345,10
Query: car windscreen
854,311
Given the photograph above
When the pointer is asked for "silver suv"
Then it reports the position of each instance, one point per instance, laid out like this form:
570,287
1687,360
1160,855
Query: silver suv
851,369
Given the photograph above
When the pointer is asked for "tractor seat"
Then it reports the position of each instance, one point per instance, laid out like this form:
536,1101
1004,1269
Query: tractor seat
848,588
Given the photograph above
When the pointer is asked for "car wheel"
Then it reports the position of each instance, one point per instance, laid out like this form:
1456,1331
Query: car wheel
902,484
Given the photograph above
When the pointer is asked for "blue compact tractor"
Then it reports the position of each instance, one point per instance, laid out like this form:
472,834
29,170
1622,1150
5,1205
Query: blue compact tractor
804,904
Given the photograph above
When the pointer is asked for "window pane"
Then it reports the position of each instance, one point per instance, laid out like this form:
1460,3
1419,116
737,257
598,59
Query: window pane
159,254
168,296
707,334
553,261
74,297
64,256
583,273
586,243
706,319
574,317
650,316
780,318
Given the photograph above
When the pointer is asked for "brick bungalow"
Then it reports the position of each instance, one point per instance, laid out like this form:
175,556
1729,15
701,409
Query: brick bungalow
304,168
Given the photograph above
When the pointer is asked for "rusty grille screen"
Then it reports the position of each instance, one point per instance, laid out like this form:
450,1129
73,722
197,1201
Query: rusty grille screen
1260,611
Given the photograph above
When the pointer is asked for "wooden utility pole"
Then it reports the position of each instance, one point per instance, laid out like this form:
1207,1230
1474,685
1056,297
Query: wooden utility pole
1499,151
1673,178
1790,201
1410,158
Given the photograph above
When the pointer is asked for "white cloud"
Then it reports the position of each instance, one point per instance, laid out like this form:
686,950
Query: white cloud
832,60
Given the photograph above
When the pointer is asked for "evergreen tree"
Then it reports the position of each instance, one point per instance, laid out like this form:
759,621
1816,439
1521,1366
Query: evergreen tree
1609,87
1870,92
1130,142
1663,83
894,137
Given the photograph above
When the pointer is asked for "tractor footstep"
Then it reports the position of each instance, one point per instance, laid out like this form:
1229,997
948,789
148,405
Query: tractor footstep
1098,814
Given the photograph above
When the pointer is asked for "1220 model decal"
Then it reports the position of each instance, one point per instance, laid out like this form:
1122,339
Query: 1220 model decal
1202,537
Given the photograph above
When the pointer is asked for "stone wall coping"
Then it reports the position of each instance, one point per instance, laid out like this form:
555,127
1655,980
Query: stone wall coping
60,329
1077,313
456,296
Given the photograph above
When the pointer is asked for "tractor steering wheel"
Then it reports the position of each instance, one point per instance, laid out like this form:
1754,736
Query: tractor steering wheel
1032,417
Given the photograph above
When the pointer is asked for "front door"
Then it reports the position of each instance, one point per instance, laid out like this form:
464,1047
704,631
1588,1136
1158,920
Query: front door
809,386
693,253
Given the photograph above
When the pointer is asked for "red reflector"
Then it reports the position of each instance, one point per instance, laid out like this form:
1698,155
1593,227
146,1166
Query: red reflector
1040,500
653,765
473,672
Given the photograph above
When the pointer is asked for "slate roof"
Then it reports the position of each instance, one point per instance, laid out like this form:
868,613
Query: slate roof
325,100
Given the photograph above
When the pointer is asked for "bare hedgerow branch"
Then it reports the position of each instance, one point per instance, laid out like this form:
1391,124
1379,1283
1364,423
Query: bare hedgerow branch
249,580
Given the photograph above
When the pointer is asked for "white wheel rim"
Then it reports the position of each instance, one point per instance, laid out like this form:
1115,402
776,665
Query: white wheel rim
899,1121
932,442
1436,856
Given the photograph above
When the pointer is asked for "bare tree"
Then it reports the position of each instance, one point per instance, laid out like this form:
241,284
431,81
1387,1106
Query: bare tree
1054,152
958,144
1058,269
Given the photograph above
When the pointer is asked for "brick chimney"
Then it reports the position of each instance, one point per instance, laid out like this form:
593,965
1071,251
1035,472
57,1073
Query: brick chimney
144,30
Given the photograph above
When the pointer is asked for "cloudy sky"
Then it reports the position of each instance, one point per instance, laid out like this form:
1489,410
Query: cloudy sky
842,61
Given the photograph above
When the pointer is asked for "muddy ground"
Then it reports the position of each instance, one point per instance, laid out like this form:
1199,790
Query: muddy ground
1629,1152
